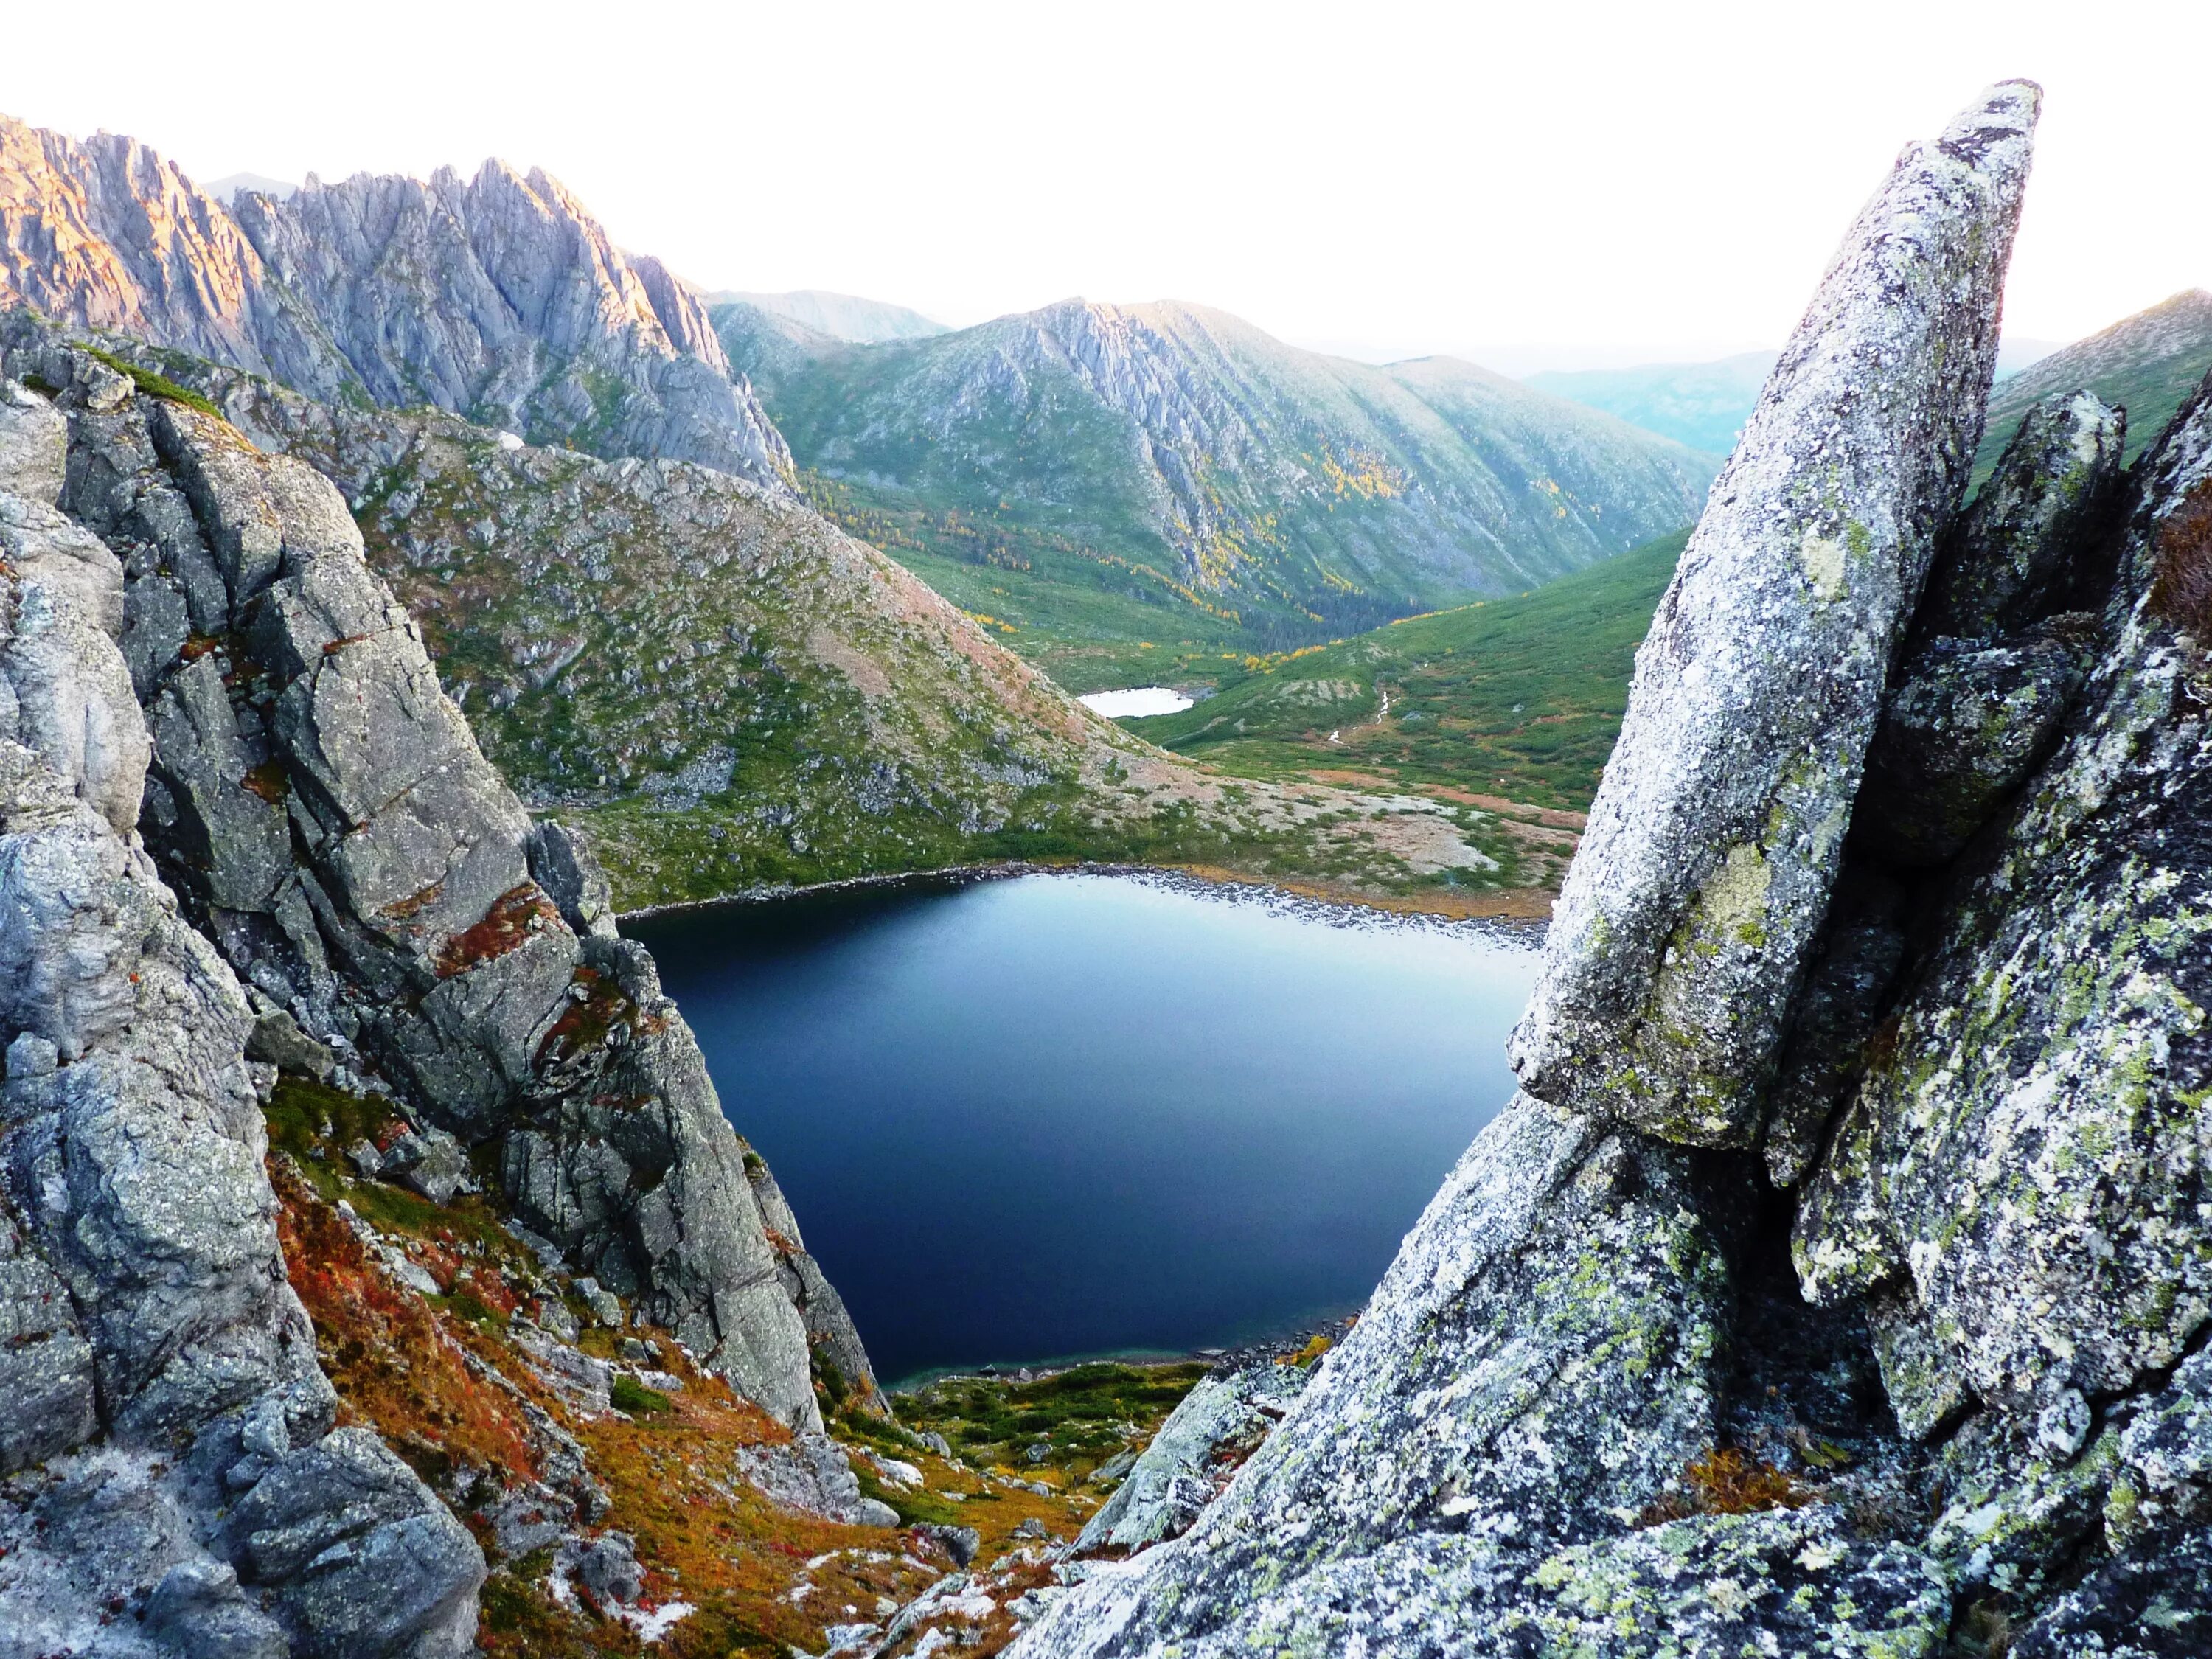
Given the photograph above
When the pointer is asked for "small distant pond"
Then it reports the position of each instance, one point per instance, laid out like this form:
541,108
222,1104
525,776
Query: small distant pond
1136,701
1060,1115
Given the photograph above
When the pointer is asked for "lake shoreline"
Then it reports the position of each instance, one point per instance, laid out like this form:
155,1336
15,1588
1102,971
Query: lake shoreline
1523,912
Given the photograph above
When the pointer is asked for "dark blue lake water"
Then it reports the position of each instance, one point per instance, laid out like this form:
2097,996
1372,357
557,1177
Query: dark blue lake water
1060,1115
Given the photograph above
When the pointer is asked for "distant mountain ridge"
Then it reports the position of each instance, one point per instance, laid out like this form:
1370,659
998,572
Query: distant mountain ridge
838,316
1251,476
1704,405
499,298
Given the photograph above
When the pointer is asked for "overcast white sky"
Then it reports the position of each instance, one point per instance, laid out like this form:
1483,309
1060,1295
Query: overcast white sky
1533,185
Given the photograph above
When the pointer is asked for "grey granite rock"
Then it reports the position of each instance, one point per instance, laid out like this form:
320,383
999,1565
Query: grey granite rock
277,1040
562,863
839,1358
33,444
2048,1235
1967,724
2021,551
158,1365
1704,878
365,1560
1543,1357
221,834
45,1365
810,1474
1170,1482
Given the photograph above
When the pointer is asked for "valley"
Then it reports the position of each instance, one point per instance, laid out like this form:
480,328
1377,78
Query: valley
1134,487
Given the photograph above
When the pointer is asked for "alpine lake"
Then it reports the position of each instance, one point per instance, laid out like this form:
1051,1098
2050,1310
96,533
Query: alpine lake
1054,1117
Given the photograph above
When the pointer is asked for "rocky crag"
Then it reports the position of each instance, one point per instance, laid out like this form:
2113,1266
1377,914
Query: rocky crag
1839,1281
500,296
247,834
169,1449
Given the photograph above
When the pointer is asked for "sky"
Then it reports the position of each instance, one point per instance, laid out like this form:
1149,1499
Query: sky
1560,186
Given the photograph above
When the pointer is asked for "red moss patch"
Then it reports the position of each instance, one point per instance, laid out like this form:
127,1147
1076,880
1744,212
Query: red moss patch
514,918
2181,591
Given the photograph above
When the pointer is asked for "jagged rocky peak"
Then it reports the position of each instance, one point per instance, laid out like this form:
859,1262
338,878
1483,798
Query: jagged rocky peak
1931,1375
500,297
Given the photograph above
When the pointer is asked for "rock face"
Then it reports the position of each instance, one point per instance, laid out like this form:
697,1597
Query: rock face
1931,1375
500,297
167,1430
1170,1482
1681,932
324,812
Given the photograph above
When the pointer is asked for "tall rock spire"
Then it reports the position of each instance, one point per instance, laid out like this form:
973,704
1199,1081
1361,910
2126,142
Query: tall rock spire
1682,931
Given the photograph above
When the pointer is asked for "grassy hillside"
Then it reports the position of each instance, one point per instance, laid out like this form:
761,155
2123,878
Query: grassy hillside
1134,491
2150,362
1519,698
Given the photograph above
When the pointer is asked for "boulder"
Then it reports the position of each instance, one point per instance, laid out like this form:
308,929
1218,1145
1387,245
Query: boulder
810,1474
2050,1237
1171,1481
1967,724
2022,550
33,444
1703,879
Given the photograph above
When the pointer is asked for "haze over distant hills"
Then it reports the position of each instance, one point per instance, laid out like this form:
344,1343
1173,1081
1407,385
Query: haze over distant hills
838,316
1705,405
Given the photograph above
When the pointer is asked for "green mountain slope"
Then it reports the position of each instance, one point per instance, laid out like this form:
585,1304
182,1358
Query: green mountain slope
1519,698
2150,362
1098,476
1704,405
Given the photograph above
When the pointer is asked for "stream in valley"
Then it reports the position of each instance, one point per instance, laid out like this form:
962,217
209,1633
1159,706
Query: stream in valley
1064,1114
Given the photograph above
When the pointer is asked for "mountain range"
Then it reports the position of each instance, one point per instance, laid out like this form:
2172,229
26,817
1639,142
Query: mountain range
497,297
1181,457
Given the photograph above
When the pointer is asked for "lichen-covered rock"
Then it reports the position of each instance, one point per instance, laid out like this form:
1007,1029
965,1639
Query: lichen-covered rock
2020,552
159,1372
1835,1015
2028,1157
1704,878
1542,1360
1967,726
45,1366
1172,1481
2152,1604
